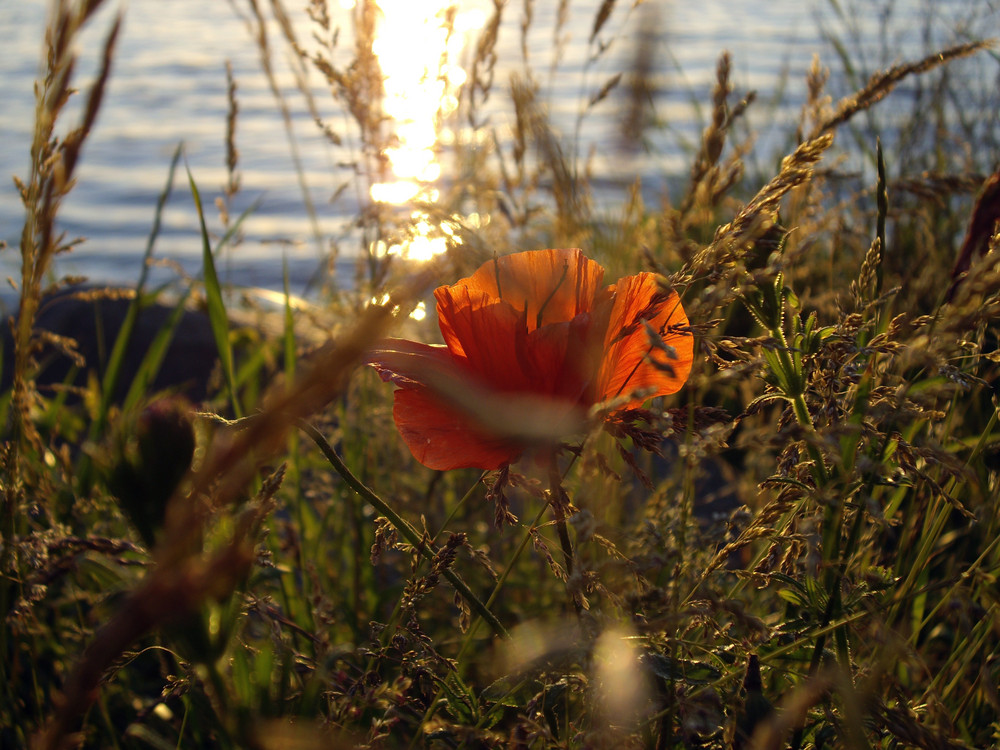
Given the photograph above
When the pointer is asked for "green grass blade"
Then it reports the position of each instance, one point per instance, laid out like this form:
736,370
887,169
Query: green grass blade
155,355
113,371
217,315
235,227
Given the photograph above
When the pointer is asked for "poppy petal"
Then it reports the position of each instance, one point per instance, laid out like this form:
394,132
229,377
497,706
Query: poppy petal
560,358
469,421
626,366
487,334
407,362
549,286
441,438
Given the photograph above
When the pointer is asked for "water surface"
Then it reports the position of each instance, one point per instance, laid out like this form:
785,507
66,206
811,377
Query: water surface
169,87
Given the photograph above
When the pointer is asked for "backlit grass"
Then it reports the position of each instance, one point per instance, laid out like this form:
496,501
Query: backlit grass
800,548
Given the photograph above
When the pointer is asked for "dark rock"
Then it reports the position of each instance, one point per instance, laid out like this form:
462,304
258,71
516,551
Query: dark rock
94,324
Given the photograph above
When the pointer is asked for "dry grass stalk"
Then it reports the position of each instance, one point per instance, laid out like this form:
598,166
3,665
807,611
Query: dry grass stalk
232,153
816,108
710,180
603,92
559,38
937,187
485,60
183,579
569,189
527,17
640,85
264,47
53,162
733,240
864,289
883,82
601,18
713,138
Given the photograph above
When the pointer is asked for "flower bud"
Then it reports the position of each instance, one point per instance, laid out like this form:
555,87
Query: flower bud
152,461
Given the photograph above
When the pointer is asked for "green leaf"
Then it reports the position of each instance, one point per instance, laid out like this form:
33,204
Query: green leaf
113,370
681,670
217,315
793,597
155,355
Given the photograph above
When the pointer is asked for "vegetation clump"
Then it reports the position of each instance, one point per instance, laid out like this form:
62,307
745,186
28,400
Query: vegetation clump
794,543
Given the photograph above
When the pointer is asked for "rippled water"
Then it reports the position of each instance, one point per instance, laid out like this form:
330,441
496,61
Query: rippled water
169,87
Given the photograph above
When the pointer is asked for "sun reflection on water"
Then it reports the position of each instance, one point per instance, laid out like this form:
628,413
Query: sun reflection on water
425,239
419,46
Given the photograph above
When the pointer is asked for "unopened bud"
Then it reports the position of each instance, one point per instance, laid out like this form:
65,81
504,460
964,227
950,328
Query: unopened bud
152,462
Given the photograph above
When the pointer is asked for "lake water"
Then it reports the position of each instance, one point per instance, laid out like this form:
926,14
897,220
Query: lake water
169,87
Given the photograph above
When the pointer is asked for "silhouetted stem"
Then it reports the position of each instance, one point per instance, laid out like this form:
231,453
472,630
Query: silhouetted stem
470,636
558,501
400,524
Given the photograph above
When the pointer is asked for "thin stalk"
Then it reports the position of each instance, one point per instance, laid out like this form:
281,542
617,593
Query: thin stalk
470,636
940,513
400,524
558,512
962,657
467,641
966,575
501,580
459,505
558,502
416,569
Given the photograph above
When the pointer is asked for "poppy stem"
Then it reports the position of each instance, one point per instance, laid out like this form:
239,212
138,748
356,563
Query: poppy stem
560,502
564,540
401,525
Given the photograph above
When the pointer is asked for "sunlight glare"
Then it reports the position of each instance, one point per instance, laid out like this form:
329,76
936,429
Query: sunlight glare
395,192
421,82
427,239
418,313
424,248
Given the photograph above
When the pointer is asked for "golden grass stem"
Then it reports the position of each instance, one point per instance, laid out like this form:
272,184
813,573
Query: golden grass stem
400,524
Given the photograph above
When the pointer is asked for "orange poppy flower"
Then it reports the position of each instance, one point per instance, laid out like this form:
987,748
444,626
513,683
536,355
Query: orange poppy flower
532,342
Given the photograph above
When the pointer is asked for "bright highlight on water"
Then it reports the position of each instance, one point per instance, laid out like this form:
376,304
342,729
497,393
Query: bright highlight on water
421,86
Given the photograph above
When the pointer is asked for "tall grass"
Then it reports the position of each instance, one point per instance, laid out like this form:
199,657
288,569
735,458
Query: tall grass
800,549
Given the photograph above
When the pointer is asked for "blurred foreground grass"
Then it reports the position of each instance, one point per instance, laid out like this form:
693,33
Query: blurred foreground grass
798,549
